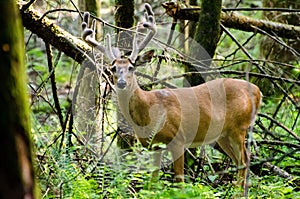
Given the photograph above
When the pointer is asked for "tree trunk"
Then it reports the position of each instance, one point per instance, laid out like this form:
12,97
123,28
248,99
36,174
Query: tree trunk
124,18
92,6
208,30
207,35
192,24
16,171
86,109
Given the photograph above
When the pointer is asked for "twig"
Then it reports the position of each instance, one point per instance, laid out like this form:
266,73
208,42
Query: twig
258,66
260,9
168,43
278,143
229,72
247,41
266,131
53,85
280,104
106,151
168,85
27,5
41,96
238,61
272,168
278,40
280,125
54,91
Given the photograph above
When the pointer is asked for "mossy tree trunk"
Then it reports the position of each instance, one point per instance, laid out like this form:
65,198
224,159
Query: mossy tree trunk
92,6
124,17
208,30
86,109
207,35
16,171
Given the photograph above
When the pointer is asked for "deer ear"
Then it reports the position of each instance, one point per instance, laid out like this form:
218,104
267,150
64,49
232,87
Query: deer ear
144,58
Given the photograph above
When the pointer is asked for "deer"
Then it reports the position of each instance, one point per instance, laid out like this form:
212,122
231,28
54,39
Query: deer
218,111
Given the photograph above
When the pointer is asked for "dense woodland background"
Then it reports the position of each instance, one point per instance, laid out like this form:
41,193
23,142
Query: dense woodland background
81,146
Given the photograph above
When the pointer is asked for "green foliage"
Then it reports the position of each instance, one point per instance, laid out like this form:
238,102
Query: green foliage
272,187
82,187
65,177
185,190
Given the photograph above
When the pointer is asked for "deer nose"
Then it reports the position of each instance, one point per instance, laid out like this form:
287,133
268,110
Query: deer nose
121,84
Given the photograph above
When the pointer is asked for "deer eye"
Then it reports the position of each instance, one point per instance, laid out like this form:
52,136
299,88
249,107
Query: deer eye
113,68
130,68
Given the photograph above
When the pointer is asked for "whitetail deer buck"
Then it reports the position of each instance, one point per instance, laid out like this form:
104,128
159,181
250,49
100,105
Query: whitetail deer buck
218,111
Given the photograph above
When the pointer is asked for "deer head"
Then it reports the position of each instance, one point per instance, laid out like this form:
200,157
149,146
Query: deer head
121,66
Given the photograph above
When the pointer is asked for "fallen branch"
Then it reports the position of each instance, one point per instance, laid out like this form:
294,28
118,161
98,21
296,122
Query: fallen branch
236,21
53,34
273,168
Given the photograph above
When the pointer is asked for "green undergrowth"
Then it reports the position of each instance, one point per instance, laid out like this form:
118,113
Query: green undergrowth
67,177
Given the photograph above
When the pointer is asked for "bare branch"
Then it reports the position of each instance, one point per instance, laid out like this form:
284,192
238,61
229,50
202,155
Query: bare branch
237,21
53,85
54,35
280,125
280,172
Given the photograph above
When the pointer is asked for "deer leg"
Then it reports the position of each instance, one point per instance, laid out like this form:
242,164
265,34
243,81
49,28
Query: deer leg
178,162
156,164
235,148
242,166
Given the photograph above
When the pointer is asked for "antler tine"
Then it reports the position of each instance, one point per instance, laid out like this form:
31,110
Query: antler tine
135,47
93,27
109,52
149,24
88,35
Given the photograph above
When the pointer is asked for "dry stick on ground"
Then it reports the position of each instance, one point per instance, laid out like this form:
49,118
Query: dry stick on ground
273,168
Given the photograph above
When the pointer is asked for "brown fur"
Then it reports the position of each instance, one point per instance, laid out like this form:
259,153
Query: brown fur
217,111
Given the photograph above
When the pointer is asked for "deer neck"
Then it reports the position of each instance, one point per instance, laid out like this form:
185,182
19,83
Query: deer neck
125,95
146,115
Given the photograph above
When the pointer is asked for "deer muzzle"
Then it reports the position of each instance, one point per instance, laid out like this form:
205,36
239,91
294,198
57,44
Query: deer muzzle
121,83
